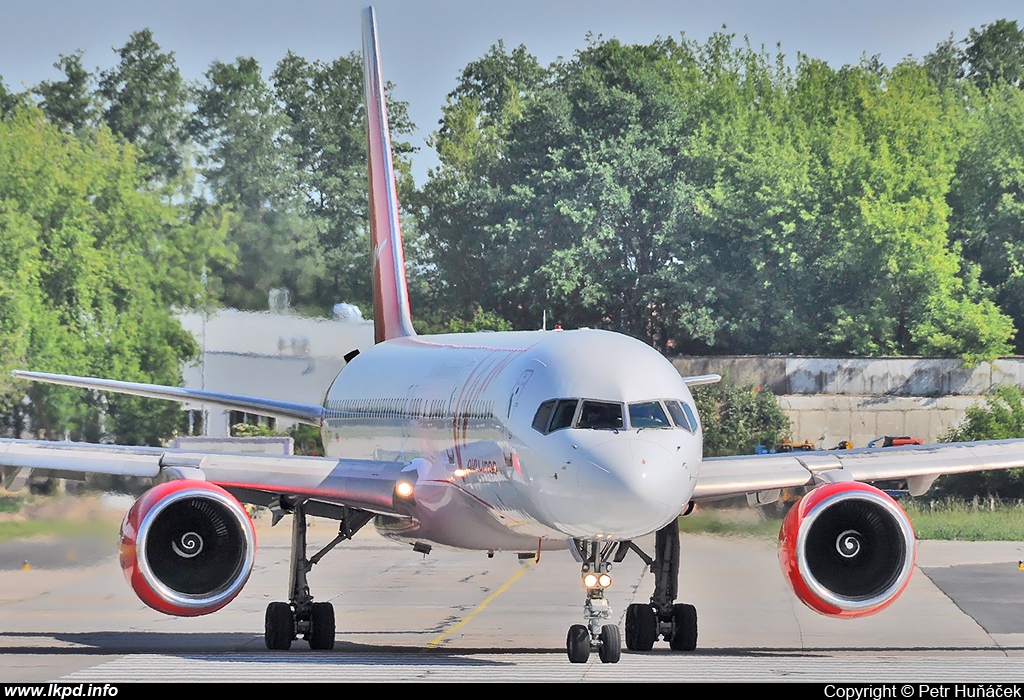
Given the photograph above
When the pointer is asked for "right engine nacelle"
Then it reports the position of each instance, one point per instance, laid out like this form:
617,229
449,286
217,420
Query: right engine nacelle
847,549
187,547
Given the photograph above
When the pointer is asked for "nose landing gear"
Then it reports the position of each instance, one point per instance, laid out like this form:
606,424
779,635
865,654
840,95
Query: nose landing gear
594,558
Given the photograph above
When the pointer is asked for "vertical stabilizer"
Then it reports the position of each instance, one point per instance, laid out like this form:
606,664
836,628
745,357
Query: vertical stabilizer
391,317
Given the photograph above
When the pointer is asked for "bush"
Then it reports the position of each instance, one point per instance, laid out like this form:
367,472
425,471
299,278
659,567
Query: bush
307,438
999,417
736,419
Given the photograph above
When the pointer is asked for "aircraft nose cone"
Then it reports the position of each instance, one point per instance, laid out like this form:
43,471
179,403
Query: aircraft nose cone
634,483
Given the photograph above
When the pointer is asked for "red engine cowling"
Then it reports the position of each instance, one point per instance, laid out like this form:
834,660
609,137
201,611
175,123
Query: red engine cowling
847,550
187,547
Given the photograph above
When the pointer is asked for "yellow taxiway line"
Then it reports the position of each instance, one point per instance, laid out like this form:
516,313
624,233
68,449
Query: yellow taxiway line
436,641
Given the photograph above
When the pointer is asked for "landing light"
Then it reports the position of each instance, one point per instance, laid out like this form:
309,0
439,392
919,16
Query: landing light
403,489
593,580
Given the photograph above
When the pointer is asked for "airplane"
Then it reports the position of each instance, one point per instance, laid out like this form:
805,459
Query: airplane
521,442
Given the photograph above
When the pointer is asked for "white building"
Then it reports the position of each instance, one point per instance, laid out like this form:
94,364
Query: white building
270,355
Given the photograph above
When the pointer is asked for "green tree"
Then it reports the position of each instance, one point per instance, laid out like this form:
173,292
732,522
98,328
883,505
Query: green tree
308,440
326,126
905,292
987,195
87,254
69,103
247,162
945,65
562,194
708,197
618,187
9,101
467,202
146,102
995,54
439,321
822,199
1000,416
753,208
248,167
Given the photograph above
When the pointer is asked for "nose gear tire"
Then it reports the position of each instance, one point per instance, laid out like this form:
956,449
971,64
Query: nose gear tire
577,644
611,644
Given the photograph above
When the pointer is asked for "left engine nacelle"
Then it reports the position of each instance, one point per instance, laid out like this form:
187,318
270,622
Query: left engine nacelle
187,547
847,549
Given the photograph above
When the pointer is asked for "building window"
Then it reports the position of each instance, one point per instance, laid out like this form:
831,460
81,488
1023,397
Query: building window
237,417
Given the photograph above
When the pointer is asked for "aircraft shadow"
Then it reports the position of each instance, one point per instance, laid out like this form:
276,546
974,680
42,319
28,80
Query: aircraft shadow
201,645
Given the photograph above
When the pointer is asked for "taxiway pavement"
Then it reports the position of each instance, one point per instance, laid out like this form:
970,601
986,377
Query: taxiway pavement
462,616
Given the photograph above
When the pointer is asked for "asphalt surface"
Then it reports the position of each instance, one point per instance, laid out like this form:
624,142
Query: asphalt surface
53,553
462,616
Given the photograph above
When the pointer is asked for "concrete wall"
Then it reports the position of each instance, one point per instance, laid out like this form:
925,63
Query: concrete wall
891,376
827,420
858,399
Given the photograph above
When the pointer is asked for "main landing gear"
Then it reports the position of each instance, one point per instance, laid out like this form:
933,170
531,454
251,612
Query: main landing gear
300,616
675,622
594,558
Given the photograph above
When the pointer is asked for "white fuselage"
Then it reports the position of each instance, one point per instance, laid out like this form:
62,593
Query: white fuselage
465,405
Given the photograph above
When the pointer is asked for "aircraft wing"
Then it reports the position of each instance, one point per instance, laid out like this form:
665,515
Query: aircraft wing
702,379
920,465
364,484
304,413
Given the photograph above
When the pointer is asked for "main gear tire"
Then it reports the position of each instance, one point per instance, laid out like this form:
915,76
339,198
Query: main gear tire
279,627
684,627
641,627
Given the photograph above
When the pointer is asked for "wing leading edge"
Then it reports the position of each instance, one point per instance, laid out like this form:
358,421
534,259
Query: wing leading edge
311,414
356,483
919,464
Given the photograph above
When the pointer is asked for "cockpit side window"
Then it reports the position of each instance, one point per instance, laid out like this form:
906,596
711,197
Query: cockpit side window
540,419
682,415
563,415
648,414
678,417
694,423
600,415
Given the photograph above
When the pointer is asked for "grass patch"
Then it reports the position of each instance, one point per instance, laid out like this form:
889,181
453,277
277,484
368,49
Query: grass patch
25,529
10,504
978,521
736,523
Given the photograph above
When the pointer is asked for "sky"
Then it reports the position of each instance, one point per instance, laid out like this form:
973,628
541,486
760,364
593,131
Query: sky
426,43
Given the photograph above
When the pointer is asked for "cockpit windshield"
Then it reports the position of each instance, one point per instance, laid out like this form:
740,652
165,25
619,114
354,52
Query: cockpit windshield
600,415
648,414
556,414
563,415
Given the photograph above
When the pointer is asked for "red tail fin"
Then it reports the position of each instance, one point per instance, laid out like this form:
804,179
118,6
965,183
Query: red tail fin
391,316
